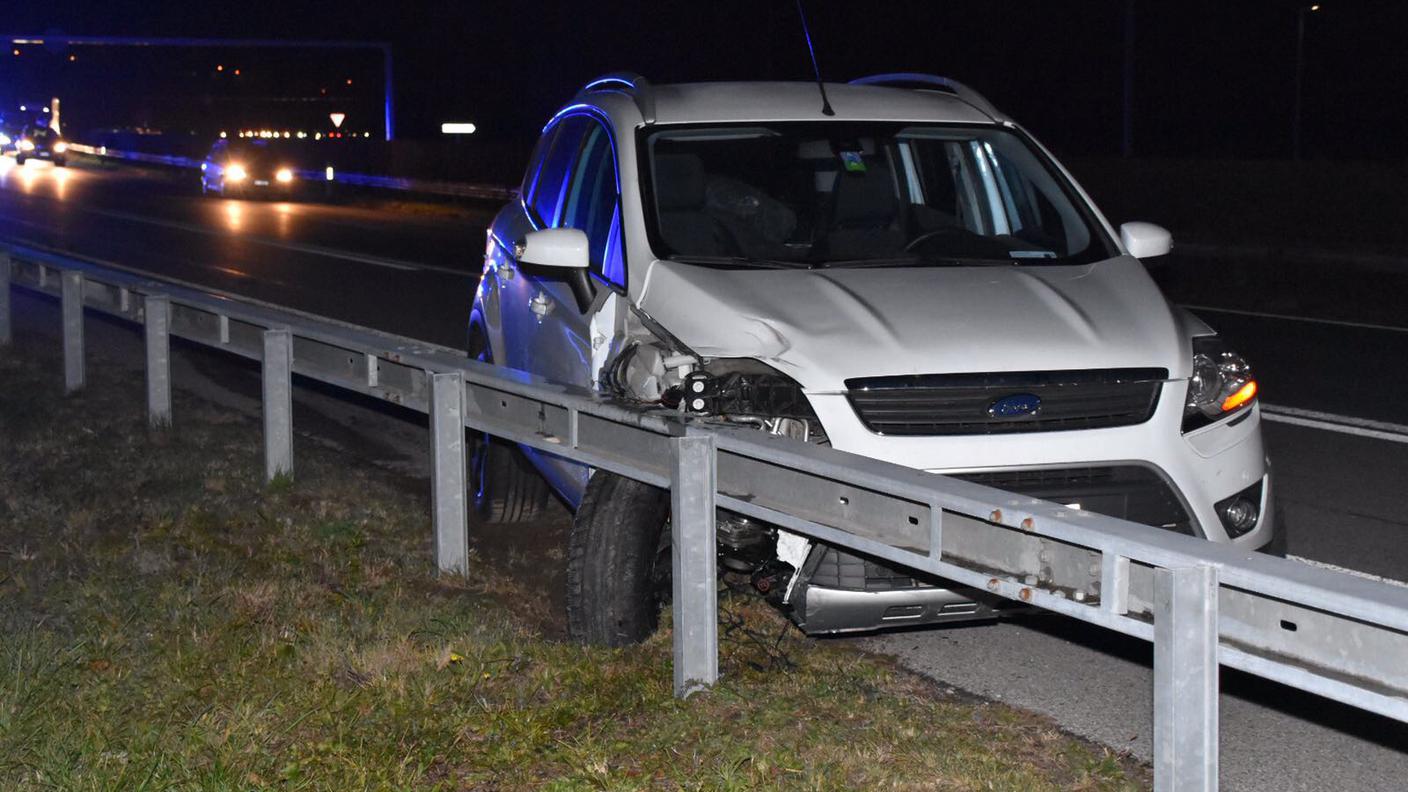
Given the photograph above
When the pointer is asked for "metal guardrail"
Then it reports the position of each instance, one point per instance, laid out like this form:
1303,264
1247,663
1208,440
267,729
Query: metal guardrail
1202,604
309,177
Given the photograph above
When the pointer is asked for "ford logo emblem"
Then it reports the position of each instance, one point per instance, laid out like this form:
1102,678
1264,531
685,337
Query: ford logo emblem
1017,405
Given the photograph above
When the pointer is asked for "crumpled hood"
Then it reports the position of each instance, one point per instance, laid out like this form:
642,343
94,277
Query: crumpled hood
822,327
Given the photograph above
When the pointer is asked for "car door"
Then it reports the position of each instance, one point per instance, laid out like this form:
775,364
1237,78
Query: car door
550,334
576,188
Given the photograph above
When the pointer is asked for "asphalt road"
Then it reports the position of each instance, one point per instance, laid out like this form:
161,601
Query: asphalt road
1341,487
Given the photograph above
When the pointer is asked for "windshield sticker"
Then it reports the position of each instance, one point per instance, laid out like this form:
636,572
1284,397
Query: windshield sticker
852,161
1032,254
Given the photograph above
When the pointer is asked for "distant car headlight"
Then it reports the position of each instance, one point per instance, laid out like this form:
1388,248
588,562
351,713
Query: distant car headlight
60,147
235,173
26,144
284,175
1222,383
5,139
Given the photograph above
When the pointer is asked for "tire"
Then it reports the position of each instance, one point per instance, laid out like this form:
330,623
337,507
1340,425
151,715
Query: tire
19,159
618,562
61,162
503,485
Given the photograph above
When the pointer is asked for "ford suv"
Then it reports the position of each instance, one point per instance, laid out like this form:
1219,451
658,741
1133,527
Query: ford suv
903,272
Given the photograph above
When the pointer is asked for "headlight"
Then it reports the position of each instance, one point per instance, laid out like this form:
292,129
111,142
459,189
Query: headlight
60,147
235,173
5,139
284,175
26,144
747,391
1221,383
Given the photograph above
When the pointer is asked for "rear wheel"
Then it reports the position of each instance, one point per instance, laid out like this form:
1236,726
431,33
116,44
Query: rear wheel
618,562
502,483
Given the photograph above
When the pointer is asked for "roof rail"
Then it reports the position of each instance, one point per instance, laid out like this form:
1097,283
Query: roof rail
629,83
931,82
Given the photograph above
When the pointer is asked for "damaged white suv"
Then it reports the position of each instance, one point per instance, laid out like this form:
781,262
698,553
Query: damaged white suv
902,272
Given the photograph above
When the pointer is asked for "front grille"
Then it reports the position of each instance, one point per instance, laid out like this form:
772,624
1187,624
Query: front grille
968,404
1129,492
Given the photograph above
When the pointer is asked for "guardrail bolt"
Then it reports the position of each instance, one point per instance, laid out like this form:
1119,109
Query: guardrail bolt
996,516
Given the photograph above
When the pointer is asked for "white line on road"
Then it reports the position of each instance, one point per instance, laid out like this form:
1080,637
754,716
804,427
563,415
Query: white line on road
1290,318
1348,571
1330,422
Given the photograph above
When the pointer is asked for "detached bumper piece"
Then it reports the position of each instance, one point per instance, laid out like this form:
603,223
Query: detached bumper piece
840,592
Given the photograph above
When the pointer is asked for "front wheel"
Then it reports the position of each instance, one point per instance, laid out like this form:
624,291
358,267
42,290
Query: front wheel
618,562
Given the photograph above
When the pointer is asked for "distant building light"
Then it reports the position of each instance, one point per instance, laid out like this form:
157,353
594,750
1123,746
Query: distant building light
72,58
17,52
317,135
366,134
237,72
223,135
457,128
349,81
328,173
24,109
46,109
220,67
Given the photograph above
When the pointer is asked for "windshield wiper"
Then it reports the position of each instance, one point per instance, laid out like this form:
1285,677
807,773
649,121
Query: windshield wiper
915,261
742,262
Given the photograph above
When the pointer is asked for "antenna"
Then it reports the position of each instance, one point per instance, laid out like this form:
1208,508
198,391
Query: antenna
820,86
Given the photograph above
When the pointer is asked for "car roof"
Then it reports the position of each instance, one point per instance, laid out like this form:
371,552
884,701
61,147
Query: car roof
725,102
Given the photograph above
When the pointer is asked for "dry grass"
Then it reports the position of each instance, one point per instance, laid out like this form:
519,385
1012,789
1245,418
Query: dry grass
170,622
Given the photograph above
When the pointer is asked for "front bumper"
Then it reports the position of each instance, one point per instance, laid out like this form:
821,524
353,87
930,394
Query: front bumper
1182,477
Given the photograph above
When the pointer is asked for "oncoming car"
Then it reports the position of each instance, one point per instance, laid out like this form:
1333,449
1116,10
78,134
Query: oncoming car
907,275
41,143
248,168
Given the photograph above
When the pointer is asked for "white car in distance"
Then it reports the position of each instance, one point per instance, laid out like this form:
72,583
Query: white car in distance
910,276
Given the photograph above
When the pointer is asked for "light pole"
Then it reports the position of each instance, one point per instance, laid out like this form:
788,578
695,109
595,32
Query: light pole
1300,76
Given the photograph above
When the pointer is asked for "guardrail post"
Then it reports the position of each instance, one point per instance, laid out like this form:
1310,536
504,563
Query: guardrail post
5,309
156,312
278,404
447,458
71,296
694,562
1185,679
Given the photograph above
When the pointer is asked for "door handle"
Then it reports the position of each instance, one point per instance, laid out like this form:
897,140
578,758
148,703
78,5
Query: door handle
540,305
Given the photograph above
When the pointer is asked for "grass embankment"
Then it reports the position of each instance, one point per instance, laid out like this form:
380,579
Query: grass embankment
169,622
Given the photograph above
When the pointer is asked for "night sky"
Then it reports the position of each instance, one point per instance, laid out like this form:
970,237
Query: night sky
1211,79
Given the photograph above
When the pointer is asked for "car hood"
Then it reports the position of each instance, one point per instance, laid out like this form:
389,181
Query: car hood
825,326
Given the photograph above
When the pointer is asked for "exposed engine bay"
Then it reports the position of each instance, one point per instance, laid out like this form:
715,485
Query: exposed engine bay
821,588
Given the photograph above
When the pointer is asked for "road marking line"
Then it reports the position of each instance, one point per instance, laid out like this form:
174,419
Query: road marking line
293,246
1348,571
1290,318
1330,422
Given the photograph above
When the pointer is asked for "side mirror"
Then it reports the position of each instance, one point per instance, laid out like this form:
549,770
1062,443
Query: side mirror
564,249
1145,240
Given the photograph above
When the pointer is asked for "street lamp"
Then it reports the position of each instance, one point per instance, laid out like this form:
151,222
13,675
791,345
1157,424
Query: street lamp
1300,76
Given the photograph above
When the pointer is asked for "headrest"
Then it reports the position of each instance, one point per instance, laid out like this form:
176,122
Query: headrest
866,198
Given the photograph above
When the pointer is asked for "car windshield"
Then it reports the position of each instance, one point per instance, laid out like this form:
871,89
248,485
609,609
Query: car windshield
848,194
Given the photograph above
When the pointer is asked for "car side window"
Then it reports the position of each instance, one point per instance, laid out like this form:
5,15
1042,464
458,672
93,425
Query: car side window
591,203
550,184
